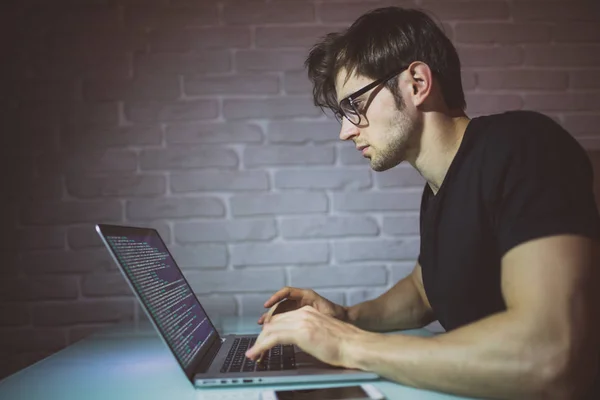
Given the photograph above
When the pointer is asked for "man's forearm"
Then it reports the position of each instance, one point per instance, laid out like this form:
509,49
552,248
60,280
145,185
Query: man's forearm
399,308
498,357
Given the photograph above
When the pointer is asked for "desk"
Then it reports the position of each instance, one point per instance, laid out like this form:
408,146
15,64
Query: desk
131,362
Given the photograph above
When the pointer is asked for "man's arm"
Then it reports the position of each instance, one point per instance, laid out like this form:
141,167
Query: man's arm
404,306
545,345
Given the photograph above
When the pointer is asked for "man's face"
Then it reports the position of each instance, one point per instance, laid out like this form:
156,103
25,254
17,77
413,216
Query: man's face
385,131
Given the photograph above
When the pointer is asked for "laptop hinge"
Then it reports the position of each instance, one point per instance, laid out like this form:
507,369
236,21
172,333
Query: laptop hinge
209,357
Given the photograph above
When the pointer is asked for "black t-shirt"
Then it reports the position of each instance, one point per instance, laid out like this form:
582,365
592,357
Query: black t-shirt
517,176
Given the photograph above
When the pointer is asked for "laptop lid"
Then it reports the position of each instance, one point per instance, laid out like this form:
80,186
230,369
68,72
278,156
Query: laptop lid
163,291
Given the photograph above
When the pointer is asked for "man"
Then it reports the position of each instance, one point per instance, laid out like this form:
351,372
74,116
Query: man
509,226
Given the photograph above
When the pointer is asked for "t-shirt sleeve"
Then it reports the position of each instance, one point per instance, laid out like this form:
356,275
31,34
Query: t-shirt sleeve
541,184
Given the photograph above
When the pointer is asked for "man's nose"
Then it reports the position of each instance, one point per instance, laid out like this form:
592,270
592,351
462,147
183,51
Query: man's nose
348,130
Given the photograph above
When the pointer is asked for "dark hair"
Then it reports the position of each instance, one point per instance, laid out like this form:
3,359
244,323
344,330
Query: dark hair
379,42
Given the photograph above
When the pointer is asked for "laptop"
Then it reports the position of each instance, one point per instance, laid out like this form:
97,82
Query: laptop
206,358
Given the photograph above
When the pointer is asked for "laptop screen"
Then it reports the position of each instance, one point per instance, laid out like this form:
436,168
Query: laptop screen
162,288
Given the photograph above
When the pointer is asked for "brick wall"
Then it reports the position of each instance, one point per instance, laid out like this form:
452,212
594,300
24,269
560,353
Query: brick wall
195,117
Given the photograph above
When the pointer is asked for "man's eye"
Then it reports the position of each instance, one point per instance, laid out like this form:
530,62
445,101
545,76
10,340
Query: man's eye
358,105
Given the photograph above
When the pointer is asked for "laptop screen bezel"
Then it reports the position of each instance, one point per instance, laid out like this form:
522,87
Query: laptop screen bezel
105,230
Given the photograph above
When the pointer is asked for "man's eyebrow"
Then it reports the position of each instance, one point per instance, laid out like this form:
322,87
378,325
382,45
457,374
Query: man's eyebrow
346,95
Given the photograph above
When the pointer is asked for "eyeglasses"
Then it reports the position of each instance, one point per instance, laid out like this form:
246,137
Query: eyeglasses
348,108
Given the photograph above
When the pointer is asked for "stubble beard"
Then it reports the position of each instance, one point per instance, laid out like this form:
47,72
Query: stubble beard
398,135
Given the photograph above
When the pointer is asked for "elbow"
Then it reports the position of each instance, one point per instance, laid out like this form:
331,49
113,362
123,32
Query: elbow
565,375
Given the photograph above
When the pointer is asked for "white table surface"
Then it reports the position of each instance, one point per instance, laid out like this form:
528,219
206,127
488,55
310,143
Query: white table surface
132,362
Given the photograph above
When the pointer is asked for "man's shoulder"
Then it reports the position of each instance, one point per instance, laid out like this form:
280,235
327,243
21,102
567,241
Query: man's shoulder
521,144
526,133
519,126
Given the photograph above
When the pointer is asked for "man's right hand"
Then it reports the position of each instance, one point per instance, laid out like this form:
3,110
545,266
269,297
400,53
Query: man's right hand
294,298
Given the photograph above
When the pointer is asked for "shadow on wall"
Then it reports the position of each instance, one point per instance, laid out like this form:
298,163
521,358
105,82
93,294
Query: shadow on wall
595,158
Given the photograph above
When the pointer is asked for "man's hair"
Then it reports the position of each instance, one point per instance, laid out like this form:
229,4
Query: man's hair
380,42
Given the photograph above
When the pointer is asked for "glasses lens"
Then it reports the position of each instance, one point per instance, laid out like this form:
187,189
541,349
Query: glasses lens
349,111
338,115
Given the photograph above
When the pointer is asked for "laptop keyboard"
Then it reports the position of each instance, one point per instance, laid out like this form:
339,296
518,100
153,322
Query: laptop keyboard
280,357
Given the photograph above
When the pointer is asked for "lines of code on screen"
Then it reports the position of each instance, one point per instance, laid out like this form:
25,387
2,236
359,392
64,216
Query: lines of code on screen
165,293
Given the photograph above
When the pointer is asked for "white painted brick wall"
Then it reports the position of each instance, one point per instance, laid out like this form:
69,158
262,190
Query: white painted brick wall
193,110
280,203
278,254
334,179
303,132
213,133
219,181
91,161
327,227
376,249
200,255
120,186
152,209
186,157
70,212
236,281
269,108
196,118
331,276
243,84
226,231
266,155
76,138
378,201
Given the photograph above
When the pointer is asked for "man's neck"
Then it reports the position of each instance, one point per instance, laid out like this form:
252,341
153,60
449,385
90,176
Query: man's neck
440,141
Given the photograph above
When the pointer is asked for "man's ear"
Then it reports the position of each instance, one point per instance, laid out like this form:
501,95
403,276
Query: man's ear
420,79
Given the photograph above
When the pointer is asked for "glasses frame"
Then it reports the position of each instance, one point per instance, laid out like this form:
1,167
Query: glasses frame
348,101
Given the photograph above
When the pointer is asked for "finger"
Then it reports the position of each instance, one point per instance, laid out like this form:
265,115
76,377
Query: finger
288,317
284,306
264,344
309,308
261,356
277,309
261,320
252,353
282,330
277,297
285,293
272,334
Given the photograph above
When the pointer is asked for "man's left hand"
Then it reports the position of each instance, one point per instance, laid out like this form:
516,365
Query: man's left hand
325,338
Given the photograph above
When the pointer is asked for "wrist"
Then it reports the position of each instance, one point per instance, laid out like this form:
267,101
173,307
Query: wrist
349,314
353,349
343,314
